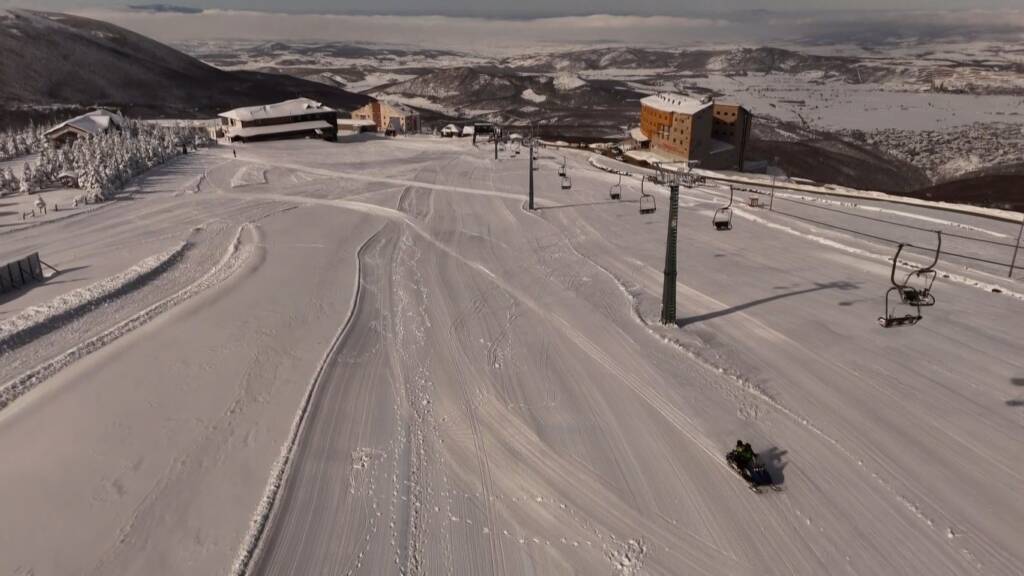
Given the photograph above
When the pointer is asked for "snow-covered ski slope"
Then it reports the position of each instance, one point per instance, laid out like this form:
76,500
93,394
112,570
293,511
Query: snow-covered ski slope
409,373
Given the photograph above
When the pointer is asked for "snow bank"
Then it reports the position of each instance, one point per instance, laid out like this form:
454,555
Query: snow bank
988,287
532,96
833,190
233,259
249,175
567,81
34,321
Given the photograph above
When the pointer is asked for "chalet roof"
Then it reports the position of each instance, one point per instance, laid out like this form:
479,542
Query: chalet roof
675,103
95,122
294,107
280,129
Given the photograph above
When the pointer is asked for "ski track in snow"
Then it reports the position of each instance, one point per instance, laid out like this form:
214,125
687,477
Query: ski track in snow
413,506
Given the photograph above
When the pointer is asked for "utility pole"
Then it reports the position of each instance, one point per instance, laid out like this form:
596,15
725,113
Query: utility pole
668,290
1016,247
531,174
771,200
495,146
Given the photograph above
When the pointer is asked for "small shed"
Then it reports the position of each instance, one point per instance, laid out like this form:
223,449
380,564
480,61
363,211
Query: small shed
468,130
449,131
69,178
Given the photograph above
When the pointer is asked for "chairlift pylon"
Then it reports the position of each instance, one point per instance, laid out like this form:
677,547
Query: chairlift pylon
910,295
616,190
647,203
722,218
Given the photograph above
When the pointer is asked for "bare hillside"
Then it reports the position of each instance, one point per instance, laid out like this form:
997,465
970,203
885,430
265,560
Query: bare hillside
52,59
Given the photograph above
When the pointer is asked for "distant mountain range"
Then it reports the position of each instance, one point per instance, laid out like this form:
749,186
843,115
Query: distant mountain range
54,59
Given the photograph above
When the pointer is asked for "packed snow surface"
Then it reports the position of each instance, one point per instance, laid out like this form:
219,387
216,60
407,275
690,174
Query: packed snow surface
387,365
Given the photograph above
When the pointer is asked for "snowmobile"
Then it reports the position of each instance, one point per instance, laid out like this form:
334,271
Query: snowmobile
751,469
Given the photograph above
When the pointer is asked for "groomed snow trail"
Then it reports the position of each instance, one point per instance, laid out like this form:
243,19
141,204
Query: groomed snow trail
556,315
414,375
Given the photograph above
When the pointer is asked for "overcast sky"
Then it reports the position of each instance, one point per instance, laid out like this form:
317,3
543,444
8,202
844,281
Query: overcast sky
538,8
497,26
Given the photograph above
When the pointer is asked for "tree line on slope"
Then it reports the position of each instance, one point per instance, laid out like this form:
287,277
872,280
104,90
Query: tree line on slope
102,164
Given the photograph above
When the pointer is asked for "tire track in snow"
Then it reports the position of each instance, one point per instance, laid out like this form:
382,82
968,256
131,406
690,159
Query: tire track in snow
672,415
279,472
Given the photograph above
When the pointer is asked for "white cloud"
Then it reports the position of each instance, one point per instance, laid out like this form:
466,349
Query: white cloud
496,36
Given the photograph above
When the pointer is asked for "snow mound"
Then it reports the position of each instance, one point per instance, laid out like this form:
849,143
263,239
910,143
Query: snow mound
236,256
566,81
249,175
45,317
532,96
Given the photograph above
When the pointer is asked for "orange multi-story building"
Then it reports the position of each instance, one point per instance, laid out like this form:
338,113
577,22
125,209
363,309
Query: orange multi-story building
687,129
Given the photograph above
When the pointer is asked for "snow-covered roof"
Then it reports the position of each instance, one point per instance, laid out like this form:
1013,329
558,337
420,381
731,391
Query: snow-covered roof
468,130
451,128
399,108
280,128
675,103
638,135
294,107
95,122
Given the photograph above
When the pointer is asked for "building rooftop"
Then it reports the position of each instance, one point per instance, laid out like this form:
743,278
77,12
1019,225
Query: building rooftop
675,103
399,108
295,107
94,122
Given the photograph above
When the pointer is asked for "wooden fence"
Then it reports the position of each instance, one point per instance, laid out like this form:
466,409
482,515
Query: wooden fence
14,275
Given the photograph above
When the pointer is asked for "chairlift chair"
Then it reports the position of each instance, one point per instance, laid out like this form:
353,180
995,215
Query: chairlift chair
722,218
647,203
566,182
910,295
616,190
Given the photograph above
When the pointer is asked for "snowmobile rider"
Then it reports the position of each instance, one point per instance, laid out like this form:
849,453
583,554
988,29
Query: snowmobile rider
744,454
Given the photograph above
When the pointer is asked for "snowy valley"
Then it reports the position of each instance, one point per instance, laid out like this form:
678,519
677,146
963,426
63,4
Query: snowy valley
359,353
